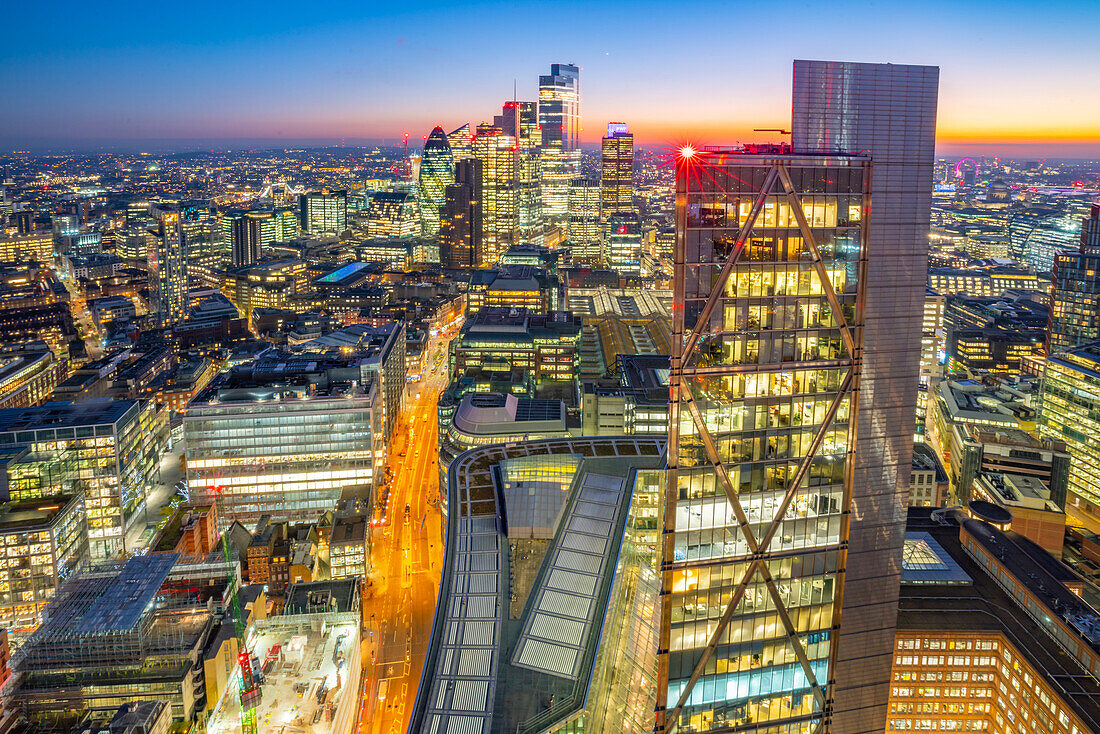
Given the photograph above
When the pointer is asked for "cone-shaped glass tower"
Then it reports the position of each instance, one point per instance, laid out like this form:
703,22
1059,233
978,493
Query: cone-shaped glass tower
436,174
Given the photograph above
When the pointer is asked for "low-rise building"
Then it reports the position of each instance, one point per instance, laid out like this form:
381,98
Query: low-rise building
928,483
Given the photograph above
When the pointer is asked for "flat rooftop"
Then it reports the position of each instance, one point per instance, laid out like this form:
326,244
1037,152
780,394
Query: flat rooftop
983,606
97,412
27,515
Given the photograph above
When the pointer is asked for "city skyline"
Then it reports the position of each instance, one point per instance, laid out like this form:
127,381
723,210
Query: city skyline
241,77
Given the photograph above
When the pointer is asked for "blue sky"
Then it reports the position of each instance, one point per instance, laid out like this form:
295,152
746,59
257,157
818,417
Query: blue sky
1013,73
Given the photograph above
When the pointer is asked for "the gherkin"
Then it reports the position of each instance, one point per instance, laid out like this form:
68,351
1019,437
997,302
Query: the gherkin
436,174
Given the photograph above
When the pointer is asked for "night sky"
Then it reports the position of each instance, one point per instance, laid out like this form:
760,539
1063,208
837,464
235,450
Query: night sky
1016,77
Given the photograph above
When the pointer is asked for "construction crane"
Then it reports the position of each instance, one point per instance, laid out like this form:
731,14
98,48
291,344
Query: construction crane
250,693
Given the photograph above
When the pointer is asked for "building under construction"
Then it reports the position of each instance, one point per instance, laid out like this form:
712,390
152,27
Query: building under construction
126,631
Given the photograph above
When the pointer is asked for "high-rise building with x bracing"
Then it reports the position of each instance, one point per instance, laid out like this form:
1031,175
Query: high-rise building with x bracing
795,356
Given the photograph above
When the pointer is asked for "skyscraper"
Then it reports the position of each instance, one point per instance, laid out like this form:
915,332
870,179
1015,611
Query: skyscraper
436,174
460,218
459,142
582,228
324,211
795,351
520,120
1075,311
496,152
167,265
623,244
560,121
617,171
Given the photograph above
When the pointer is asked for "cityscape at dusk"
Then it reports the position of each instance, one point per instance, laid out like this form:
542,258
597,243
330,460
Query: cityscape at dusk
1016,74
550,368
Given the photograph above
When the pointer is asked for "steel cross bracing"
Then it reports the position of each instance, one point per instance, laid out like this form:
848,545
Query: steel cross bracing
668,721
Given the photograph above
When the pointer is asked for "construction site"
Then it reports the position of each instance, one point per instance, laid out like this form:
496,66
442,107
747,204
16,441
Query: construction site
124,631
309,664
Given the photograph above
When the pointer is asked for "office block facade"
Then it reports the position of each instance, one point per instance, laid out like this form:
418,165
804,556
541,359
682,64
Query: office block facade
1075,291
460,218
104,451
560,120
795,362
167,260
1069,411
324,212
496,153
617,171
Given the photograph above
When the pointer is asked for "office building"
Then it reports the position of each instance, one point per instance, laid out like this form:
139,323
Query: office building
42,542
436,174
1069,411
286,435
561,591
623,244
992,634
460,226
582,227
167,260
105,452
28,376
324,212
928,483
514,286
1075,291
393,214
991,280
458,140
617,171
520,121
497,154
27,247
503,339
560,121
782,542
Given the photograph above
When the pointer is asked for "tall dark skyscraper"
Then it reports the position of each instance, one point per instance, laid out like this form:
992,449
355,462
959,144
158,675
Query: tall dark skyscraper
436,174
460,218
560,121
617,171
1075,311
798,285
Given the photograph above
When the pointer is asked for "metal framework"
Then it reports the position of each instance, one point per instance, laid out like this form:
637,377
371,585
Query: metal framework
684,346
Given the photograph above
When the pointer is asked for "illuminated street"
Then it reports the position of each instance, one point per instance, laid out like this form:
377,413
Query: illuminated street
407,553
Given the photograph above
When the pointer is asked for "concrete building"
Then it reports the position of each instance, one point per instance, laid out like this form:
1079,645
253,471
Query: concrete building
991,636
928,483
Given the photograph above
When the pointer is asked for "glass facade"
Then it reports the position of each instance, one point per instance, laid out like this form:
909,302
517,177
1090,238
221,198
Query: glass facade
582,229
288,458
560,120
1069,411
324,211
436,174
617,171
499,197
112,465
767,292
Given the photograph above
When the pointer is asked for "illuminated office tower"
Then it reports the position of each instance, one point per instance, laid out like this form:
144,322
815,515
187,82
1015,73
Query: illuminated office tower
560,120
496,152
459,142
167,264
460,218
623,244
582,228
520,120
436,174
1075,312
617,171
795,355
393,214
324,212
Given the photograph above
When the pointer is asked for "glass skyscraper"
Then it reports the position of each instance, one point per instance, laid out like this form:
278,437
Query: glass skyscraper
617,171
560,121
1075,291
520,120
496,152
324,211
796,346
167,263
436,174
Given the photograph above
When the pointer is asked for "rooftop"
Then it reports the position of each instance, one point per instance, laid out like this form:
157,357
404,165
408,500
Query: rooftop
492,670
97,412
